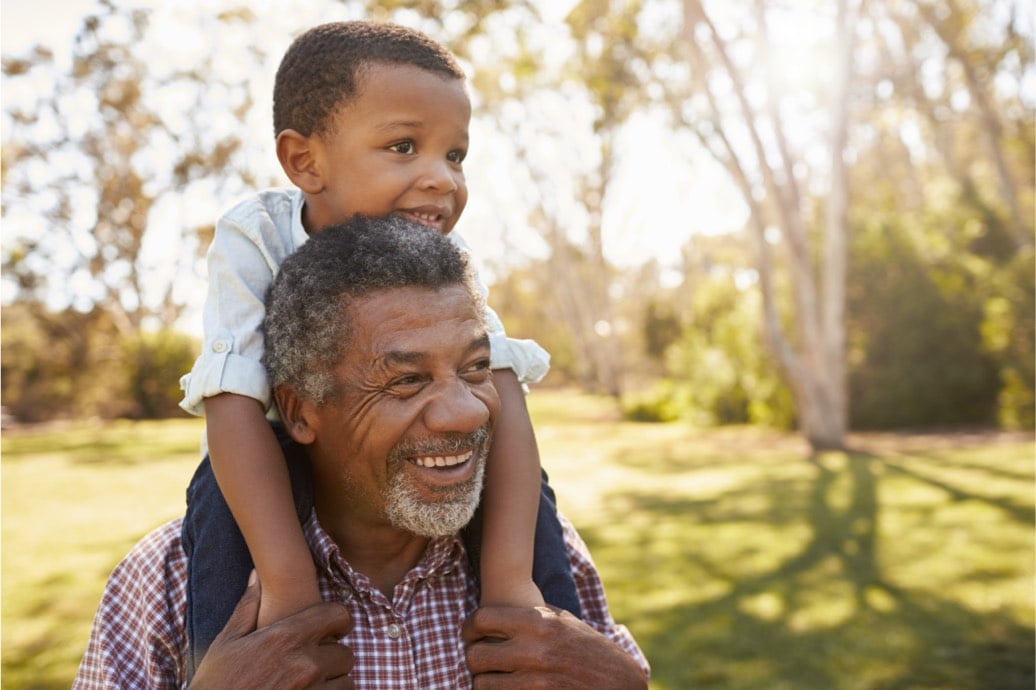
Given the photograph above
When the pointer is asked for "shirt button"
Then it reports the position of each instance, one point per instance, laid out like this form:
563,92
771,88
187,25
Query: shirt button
393,631
220,346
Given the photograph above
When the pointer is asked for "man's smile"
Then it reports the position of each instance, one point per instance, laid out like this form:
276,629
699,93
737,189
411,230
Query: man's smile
442,460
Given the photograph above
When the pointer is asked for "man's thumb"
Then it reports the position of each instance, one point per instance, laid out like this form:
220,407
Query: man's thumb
246,614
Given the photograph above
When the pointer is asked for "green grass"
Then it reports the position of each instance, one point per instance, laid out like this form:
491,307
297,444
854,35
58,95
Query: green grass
737,561
74,501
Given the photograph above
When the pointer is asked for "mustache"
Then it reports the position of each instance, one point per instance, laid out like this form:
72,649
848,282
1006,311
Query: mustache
447,444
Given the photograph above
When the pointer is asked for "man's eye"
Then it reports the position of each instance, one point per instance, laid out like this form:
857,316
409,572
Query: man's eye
478,371
407,384
406,147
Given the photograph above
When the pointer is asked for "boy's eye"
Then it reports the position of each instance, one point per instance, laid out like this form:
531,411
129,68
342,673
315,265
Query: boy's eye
456,156
402,147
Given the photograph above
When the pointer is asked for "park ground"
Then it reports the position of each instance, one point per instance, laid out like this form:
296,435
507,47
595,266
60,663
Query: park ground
738,560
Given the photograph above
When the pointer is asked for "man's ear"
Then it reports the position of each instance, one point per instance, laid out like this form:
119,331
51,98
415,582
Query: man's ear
297,413
297,154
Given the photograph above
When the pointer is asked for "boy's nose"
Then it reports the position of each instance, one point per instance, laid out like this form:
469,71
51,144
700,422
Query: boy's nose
441,176
455,408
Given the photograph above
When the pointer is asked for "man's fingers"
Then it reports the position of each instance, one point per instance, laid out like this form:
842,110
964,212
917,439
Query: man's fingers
505,622
489,621
341,683
503,639
326,620
335,659
490,656
243,620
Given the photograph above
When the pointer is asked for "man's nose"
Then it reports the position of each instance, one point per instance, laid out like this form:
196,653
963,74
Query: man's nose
455,408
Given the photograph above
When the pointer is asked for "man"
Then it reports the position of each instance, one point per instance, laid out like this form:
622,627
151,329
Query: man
380,364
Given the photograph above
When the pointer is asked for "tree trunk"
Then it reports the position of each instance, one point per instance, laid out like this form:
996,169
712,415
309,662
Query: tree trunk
608,362
815,366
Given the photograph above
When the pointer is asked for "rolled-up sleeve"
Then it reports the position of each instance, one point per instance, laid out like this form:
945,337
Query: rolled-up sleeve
241,269
529,362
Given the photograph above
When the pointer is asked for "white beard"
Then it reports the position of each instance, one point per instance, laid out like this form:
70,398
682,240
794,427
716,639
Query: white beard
453,508
406,509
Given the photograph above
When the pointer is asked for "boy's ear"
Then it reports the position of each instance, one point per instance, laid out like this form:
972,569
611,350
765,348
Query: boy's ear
297,154
297,413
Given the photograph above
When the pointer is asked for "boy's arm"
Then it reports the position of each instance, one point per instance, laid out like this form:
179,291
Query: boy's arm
247,248
511,502
252,473
512,489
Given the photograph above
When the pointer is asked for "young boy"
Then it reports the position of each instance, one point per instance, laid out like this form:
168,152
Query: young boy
370,119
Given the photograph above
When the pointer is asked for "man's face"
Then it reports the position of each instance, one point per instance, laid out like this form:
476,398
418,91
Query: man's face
396,148
405,440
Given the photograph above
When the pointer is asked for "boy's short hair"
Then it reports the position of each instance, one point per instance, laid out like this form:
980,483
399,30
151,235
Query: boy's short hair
317,74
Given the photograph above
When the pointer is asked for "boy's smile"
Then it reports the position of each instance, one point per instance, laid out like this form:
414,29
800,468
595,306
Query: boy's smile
396,147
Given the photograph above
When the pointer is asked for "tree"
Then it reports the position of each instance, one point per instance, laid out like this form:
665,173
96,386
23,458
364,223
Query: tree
953,160
101,200
738,114
918,356
978,64
64,382
562,119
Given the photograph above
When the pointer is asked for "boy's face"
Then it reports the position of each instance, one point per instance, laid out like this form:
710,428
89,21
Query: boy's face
395,148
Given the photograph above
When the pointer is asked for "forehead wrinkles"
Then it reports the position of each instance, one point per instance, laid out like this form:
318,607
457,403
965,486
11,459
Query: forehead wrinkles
396,327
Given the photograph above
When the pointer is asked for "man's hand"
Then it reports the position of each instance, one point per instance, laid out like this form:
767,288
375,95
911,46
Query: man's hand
300,651
544,647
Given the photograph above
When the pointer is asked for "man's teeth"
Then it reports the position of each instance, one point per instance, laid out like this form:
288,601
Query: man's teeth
442,460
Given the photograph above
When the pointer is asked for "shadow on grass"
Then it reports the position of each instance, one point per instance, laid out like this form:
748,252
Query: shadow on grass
1019,513
820,614
949,461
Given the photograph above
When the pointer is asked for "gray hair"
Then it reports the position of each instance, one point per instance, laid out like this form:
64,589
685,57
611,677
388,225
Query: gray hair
307,325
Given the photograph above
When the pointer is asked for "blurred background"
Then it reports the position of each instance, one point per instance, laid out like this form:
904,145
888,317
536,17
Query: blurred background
781,253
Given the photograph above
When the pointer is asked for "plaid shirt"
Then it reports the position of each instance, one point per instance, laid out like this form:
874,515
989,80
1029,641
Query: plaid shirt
413,641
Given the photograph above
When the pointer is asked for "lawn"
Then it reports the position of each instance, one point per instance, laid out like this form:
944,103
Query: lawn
738,561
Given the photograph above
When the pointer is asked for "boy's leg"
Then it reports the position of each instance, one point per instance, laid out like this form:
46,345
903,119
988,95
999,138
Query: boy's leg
551,570
218,563
218,560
